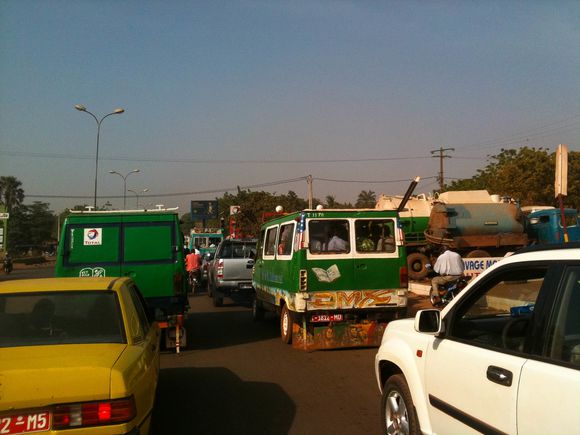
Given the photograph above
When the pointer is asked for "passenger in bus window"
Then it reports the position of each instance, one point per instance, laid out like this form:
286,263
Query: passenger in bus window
386,241
336,242
285,245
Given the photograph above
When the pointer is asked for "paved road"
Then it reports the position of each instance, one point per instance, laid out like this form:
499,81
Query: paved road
45,270
237,377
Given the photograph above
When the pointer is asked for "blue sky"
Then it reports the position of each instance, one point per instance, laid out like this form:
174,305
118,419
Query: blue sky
221,94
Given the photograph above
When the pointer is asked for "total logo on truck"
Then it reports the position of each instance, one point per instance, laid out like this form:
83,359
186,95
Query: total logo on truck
92,236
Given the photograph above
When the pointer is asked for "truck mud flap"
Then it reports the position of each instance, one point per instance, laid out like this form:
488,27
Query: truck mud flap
337,335
175,334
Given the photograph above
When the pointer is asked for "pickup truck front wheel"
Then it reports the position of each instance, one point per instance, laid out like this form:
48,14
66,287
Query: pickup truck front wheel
397,410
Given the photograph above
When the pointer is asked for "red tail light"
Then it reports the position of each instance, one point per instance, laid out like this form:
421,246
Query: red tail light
93,413
403,277
220,269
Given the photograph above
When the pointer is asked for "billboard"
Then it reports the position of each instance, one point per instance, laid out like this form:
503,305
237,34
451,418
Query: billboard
204,210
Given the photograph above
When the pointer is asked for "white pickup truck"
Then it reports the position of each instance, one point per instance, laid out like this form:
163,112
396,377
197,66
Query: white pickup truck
229,273
502,357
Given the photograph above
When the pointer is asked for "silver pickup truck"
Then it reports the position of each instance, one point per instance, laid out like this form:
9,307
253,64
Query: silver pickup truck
229,273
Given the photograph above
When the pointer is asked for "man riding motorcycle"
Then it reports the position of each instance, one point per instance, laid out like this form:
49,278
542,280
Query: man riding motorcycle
449,267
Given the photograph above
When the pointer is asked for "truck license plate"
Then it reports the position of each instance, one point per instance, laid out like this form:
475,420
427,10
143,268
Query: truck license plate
25,423
316,318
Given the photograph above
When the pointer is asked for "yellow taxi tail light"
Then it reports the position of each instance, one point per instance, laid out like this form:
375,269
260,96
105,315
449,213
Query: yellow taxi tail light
93,413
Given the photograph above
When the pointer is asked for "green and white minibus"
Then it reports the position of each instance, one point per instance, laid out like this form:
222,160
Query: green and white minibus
335,277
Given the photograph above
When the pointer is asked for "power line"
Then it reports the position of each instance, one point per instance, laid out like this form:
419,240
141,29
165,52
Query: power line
161,195
535,133
204,161
570,124
226,189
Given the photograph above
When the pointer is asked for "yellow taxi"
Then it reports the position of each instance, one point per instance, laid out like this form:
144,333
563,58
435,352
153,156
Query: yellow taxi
77,356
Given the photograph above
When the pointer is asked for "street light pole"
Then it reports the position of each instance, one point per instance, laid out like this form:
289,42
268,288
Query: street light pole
124,177
137,194
82,108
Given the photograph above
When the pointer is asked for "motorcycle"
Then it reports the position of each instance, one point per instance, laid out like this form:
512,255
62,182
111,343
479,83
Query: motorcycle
7,264
448,291
193,280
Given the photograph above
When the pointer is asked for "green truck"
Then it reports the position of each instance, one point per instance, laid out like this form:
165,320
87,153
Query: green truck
335,277
144,245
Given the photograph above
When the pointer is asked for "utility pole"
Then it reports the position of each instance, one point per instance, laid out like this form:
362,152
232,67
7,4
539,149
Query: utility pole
441,156
310,194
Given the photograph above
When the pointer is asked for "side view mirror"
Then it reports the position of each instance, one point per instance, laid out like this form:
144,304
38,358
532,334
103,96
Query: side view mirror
429,322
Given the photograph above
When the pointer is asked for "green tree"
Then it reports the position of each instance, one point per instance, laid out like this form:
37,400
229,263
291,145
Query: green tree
255,207
331,201
366,199
31,227
11,192
526,174
41,223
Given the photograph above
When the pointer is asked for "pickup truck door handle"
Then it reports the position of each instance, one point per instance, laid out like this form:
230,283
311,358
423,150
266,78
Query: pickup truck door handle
500,376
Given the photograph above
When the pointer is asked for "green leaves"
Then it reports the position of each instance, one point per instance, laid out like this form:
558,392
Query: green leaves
526,174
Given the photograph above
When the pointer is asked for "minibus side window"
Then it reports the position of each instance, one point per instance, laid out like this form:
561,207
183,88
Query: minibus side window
286,239
328,236
374,235
270,247
570,221
260,244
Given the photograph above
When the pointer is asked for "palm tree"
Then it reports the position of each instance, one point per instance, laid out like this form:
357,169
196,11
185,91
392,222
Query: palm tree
366,199
331,201
11,194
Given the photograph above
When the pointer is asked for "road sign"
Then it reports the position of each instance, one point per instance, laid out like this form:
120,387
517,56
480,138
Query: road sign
561,185
4,216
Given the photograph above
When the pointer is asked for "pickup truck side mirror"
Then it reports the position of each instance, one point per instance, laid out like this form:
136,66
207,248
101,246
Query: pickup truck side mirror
429,322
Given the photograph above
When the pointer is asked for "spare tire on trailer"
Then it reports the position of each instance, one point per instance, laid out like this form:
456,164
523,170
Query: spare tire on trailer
477,253
417,265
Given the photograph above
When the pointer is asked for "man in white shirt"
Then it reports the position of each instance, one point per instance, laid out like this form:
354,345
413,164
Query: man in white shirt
449,266
336,243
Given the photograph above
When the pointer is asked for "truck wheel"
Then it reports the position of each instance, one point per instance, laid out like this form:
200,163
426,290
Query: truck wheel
398,414
478,253
286,325
257,310
417,265
218,300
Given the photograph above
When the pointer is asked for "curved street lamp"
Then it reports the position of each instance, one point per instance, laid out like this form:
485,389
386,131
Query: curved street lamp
124,177
137,194
82,108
